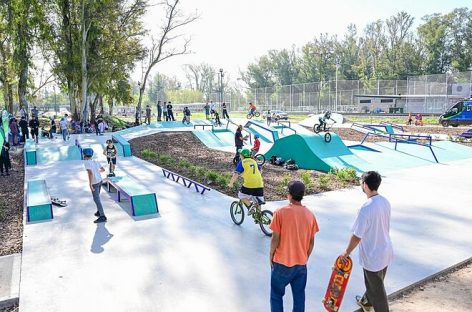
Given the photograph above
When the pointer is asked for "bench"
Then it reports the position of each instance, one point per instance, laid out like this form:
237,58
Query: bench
31,157
143,201
123,146
38,203
185,181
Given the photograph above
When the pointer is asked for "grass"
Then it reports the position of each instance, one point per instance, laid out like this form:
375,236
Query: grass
149,154
395,120
345,174
324,181
307,180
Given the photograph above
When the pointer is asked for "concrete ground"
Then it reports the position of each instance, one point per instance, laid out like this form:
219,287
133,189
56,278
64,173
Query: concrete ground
9,279
191,256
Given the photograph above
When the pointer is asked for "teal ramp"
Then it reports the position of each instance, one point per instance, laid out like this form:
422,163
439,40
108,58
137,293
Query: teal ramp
226,136
310,151
262,137
57,153
209,138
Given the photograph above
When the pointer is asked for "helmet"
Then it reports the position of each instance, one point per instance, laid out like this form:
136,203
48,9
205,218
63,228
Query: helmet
87,152
246,153
256,136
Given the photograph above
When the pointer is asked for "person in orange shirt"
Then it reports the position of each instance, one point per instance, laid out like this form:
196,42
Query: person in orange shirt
293,238
252,108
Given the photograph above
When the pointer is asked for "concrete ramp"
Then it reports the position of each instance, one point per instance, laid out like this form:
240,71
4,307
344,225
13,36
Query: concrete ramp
310,151
57,153
215,139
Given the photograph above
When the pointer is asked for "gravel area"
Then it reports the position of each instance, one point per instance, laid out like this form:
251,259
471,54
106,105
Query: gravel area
11,206
184,146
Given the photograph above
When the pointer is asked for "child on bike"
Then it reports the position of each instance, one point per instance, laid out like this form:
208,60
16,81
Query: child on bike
252,108
217,119
257,145
110,152
187,114
253,184
323,120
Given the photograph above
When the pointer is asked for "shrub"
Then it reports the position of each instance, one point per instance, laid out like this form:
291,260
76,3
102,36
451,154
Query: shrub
147,153
323,181
345,174
184,164
282,188
212,176
193,170
307,180
165,159
201,171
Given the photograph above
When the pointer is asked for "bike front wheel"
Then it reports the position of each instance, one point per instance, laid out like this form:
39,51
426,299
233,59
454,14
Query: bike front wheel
237,212
260,159
264,223
327,137
257,114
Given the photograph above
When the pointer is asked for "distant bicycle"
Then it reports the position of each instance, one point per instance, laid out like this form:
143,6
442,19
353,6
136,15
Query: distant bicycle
259,158
263,218
255,114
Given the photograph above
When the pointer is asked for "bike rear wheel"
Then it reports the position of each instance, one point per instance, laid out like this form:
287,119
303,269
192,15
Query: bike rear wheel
260,159
249,116
264,222
316,128
237,212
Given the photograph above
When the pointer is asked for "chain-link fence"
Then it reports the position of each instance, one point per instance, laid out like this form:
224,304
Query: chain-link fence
424,94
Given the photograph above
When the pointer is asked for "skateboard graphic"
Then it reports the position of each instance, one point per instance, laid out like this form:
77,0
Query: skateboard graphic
337,284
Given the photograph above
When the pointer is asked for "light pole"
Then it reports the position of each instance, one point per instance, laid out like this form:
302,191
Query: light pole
55,102
336,99
220,81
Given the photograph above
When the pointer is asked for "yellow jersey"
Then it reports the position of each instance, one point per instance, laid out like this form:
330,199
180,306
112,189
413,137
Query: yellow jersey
250,171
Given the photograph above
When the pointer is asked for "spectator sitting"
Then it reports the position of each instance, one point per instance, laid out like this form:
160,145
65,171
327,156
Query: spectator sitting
418,119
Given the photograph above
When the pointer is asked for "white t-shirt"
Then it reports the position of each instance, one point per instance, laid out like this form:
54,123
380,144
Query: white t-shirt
101,126
95,167
372,226
63,124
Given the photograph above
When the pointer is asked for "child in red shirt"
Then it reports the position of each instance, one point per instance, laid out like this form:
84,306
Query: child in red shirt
257,145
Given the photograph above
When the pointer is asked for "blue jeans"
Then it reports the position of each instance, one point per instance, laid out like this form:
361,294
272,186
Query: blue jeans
96,198
281,276
64,134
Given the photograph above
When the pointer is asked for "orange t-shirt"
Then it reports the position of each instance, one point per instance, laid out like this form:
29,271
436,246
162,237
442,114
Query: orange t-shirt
296,226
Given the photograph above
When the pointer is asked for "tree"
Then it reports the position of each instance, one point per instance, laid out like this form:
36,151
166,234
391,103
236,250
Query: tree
161,48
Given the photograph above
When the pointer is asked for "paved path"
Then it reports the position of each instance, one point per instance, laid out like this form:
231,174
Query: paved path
192,257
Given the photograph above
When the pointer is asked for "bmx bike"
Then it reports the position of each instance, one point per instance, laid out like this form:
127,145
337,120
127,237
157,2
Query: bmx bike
259,158
323,126
255,114
263,218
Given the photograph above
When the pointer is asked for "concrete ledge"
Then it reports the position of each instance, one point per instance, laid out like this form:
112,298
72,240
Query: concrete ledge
10,268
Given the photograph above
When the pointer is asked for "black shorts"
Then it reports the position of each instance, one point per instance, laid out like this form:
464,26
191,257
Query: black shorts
113,160
252,191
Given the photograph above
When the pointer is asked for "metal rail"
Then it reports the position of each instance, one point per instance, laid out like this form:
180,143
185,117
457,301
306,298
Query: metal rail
232,122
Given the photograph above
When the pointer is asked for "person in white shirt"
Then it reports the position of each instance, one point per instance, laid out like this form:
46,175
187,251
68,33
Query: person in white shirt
64,127
371,232
94,168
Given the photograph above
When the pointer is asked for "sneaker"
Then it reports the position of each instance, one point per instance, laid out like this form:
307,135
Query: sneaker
8,174
100,219
364,304
97,214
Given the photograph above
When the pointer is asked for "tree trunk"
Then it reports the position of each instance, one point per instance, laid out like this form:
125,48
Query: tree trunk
110,106
22,86
138,108
83,47
100,104
10,99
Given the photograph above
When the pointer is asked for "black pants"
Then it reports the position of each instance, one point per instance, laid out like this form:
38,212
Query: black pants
375,290
170,115
25,133
225,114
4,163
159,115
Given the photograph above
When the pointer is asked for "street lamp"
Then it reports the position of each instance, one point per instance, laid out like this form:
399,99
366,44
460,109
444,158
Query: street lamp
336,99
55,102
220,78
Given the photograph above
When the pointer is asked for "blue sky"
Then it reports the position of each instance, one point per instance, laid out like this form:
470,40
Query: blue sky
232,33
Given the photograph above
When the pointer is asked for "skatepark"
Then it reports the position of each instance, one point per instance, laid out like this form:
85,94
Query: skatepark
190,255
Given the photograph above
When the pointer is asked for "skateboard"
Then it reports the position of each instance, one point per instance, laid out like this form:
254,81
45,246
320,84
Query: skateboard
56,201
337,284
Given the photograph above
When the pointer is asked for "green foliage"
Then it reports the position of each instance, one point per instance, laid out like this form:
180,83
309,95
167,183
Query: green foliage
307,180
147,153
282,188
200,171
212,176
323,181
184,164
345,174
165,159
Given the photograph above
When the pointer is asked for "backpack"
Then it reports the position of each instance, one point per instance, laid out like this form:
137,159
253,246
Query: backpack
291,165
279,161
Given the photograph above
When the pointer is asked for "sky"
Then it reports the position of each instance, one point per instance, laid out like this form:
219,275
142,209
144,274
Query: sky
230,34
